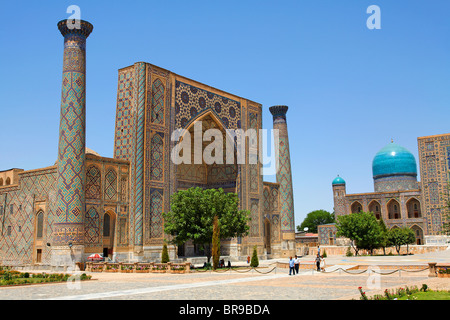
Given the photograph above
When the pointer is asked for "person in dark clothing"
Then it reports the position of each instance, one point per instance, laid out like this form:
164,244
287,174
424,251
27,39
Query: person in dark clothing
318,259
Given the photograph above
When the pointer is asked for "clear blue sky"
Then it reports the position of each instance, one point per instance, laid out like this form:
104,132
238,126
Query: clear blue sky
349,89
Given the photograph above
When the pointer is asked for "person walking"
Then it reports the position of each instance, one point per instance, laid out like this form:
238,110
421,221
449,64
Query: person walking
318,259
291,266
322,264
297,263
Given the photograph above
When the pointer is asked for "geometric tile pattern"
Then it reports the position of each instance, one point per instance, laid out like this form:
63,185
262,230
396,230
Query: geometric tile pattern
157,113
93,183
266,196
254,215
156,220
253,167
124,115
111,185
157,157
190,101
124,189
139,154
433,193
91,228
436,221
285,180
271,211
274,199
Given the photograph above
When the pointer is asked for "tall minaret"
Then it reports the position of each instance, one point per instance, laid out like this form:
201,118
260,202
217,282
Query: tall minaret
68,240
284,178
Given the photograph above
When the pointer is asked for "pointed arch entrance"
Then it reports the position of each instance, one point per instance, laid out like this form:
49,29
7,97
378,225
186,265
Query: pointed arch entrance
203,150
356,207
375,208
418,231
207,166
109,223
394,211
413,206
267,236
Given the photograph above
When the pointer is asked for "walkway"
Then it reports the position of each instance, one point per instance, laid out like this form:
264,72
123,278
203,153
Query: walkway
277,285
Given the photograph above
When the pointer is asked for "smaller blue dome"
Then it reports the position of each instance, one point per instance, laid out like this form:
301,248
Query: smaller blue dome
338,180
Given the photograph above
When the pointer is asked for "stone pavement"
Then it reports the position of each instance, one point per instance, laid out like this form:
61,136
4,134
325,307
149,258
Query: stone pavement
252,285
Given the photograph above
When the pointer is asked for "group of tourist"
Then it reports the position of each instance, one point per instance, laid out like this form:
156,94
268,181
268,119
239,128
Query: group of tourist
294,264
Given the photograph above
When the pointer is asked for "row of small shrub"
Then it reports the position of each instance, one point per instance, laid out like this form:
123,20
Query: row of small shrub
393,294
12,277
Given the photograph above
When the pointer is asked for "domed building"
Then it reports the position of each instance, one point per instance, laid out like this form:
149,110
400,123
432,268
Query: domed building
394,168
399,198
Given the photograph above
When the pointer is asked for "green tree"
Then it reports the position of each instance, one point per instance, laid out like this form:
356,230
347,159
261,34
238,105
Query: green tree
401,236
362,228
410,238
384,236
255,261
192,214
216,243
314,219
165,254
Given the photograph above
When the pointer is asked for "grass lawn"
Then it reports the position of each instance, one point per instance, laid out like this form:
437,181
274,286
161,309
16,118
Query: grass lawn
429,295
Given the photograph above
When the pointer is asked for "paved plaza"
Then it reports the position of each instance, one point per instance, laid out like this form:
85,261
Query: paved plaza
268,283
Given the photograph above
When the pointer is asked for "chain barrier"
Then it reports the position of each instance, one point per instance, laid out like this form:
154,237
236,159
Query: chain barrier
338,269
382,273
250,269
196,270
265,272
344,271
231,269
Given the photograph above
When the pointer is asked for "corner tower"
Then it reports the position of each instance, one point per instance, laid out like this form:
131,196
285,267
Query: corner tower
284,178
68,238
339,192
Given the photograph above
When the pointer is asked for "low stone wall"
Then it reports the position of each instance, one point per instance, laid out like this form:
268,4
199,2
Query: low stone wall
342,250
441,270
138,267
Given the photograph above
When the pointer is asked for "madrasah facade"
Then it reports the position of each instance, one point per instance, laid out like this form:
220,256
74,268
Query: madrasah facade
85,203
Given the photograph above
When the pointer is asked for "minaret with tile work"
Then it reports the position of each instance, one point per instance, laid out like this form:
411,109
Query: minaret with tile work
284,178
68,236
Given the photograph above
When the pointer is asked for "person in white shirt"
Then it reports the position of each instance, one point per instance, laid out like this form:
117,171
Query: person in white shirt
297,263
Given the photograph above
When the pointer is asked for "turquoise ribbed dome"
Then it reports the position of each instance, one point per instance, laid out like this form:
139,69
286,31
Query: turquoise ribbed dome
393,160
338,180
